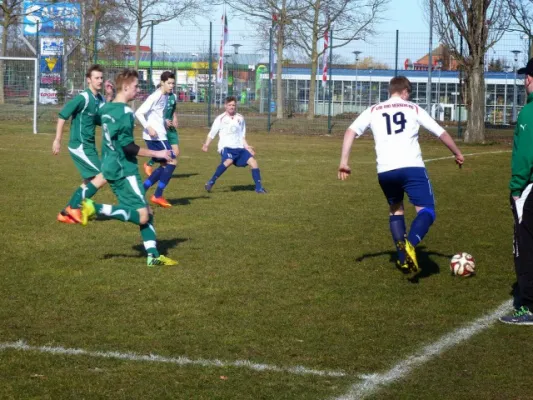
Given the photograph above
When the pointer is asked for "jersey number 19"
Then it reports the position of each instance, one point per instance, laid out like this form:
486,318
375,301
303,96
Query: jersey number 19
399,121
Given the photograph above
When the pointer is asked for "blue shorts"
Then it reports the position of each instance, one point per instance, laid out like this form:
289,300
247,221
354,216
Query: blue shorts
412,180
157,145
240,157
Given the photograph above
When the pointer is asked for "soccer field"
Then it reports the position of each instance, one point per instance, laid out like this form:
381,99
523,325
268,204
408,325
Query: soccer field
289,295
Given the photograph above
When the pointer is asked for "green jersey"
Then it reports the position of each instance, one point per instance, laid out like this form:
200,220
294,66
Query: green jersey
117,120
83,109
169,110
522,159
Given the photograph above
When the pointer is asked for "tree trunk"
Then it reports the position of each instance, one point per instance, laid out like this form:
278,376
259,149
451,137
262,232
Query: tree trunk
475,128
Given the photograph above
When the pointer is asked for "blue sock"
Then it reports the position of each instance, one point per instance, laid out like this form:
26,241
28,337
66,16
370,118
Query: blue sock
420,225
165,179
397,228
152,179
256,174
220,170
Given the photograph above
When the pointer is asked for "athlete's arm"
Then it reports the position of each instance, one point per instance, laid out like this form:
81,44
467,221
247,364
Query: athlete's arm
344,169
56,146
211,135
431,125
141,115
244,142
357,128
450,144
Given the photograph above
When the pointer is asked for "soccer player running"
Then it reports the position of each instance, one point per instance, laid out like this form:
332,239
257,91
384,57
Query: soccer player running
151,116
171,123
119,167
232,144
82,148
522,206
395,124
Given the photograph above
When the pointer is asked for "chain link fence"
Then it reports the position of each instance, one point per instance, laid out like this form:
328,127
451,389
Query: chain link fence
359,76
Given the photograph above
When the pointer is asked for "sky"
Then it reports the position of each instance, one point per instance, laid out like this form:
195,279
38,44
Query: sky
406,16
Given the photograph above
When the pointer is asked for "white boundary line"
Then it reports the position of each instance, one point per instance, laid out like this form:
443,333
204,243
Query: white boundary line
468,154
179,361
374,382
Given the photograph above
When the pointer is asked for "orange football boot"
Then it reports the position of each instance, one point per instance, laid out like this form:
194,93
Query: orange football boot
74,213
66,219
160,201
148,169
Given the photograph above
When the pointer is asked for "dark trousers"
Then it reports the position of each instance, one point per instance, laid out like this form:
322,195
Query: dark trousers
523,252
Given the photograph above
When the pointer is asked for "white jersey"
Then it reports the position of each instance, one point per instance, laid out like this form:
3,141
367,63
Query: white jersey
151,113
231,130
394,124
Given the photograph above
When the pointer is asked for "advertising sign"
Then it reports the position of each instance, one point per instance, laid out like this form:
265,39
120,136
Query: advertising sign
51,64
47,96
53,19
52,46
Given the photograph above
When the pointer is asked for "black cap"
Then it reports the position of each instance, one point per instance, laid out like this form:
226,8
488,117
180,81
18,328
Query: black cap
528,69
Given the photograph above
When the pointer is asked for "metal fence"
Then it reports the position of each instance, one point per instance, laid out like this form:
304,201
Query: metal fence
359,76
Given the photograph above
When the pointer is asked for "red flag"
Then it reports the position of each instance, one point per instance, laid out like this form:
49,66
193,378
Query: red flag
223,41
325,57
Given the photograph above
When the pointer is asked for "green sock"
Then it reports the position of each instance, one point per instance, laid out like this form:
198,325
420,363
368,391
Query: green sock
150,162
148,236
124,214
89,191
85,191
75,200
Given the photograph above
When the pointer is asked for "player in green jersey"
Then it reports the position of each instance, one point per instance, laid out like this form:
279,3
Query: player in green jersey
120,168
83,109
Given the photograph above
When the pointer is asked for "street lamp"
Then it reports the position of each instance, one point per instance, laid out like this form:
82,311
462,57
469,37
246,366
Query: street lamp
516,53
234,58
356,54
370,88
439,66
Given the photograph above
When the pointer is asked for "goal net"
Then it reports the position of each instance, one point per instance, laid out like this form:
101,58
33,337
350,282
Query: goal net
19,89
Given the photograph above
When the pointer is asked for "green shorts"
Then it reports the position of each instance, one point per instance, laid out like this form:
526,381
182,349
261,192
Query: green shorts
173,137
129,191
86,161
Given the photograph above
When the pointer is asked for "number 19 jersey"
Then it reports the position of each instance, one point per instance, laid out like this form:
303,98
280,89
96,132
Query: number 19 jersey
395,124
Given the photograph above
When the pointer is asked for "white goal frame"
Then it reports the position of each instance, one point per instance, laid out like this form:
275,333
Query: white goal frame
35,84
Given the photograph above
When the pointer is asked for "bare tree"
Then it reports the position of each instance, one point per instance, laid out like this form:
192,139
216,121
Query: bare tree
350,20
147,12
277,15
481,23
522,20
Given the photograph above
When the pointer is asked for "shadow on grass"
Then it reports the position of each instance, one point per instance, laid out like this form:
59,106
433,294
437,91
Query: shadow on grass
163,245
427,266
184,175
185,201
242,188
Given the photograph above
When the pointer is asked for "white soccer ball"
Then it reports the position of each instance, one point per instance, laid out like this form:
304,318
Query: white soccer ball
463,264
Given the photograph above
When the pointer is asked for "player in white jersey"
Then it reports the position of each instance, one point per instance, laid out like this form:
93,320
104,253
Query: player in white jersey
394,124
151,116
232,144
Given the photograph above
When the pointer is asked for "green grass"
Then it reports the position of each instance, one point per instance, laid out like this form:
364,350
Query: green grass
301,276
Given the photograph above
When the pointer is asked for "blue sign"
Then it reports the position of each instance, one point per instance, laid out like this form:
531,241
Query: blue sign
53,19
51,64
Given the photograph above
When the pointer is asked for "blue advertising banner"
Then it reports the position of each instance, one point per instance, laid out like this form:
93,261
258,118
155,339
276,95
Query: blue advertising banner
55,19
51,64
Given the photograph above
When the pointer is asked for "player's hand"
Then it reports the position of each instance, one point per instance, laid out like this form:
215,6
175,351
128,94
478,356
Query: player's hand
459,160
165,154
152,132
169,123
344,172
515,198
205,148
251,150
56,147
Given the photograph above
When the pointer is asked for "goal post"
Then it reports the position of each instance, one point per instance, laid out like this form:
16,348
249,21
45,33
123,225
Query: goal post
19,84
